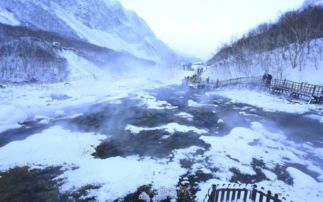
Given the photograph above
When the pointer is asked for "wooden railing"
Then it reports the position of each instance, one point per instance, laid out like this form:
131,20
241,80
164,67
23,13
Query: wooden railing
311,92
235,192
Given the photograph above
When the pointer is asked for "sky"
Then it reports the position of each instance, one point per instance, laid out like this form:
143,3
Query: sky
198,27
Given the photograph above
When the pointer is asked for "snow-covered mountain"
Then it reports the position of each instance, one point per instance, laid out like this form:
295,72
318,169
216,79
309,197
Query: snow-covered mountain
101,22
290,48
101,32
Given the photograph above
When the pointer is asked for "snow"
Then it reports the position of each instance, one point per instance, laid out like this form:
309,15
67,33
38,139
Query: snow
185,115
310,72
264,100
57,146
25,101
102,22
316,117
310,75
272,148
308,3
81,69
151,102
10,117
6,17
170,128
131,42
192,103
220,121
61,147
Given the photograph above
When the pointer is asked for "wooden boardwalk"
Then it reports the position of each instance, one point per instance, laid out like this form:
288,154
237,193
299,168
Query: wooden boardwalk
235,192
309,92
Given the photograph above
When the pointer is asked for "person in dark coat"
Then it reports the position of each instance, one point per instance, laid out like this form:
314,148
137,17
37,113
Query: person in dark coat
264,77
269,78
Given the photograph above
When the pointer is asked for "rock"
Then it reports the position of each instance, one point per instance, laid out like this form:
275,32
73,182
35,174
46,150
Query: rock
220,122
57,96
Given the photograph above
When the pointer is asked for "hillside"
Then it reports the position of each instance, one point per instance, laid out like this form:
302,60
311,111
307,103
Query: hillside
100,33
289,48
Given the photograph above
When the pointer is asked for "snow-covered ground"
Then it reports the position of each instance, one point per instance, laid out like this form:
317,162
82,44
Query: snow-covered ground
265,100
278,66
251,153
20,102
6,17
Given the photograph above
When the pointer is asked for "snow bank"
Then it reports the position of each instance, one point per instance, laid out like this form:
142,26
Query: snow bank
264,100
6,17
151,102
242,145
170,128
10,117
185,115
277,65
192,103
81,69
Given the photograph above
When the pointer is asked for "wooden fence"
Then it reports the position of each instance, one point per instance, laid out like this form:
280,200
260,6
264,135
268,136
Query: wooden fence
228,193
310,92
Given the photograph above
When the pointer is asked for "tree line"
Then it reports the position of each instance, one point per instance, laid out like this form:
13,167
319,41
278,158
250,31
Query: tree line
31,60
288,42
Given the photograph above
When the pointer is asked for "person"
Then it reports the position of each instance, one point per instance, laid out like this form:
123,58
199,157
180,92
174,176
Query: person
208,80
269,78
264,77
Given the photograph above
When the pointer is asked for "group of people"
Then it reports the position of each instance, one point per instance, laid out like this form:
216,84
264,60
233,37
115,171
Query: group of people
193,79
200,71
188,67
266,78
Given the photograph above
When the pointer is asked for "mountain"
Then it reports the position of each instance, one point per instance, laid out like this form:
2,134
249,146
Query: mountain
101,22
290,48
41,39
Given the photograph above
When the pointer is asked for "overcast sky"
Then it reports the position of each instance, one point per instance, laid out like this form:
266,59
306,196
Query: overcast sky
198,27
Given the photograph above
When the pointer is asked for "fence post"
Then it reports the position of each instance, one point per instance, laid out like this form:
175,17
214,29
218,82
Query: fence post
222,195
228,195
234,195
239,194
245,194
216,196
313,92
254,193
268,196
261,197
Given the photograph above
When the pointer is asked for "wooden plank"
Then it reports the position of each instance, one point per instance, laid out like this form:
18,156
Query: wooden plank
245,196
268,196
